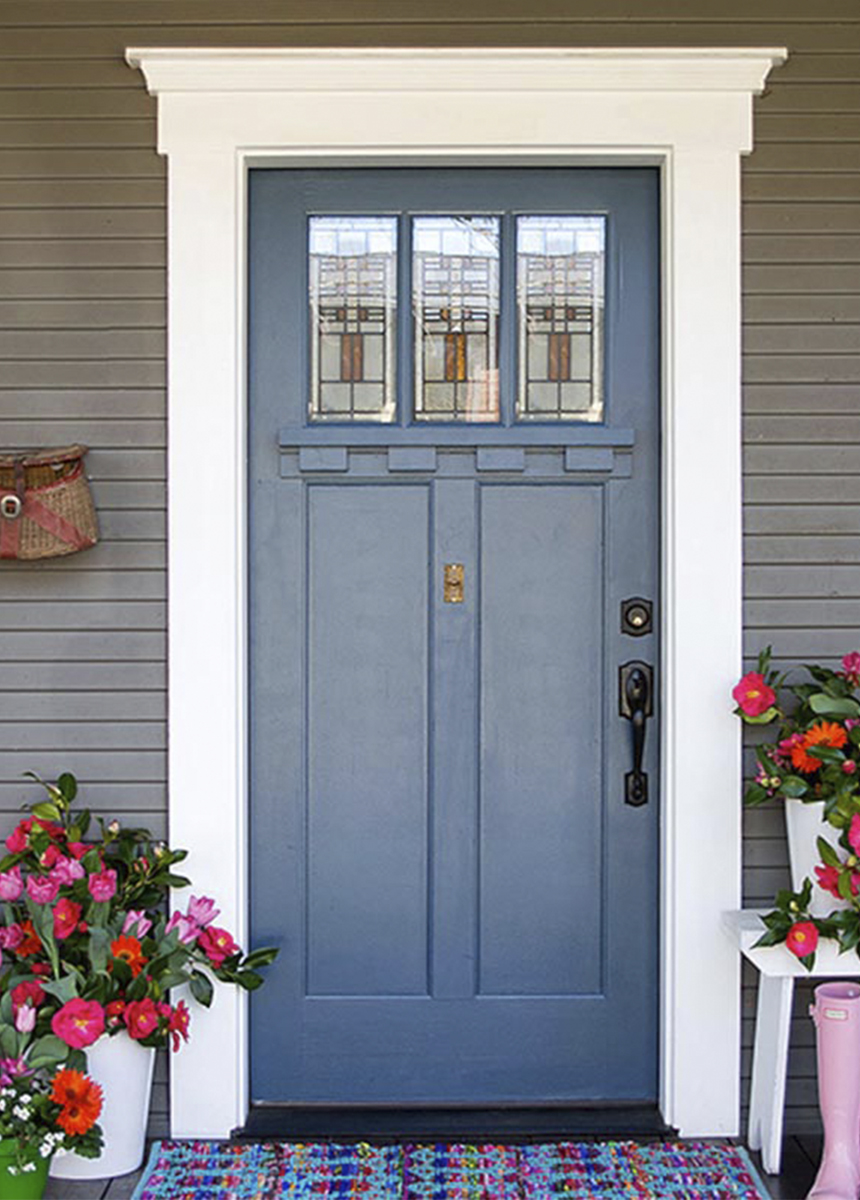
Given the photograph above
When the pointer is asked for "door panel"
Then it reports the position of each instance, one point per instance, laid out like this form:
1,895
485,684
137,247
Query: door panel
466,908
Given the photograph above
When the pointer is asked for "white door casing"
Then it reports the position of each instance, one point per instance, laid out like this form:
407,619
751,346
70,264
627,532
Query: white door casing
689,112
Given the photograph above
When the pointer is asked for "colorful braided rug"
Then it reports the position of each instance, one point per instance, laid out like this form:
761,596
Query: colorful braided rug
326,1171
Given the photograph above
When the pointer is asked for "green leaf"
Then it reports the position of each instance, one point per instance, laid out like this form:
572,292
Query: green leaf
249,980
808,961
828,855
46,1050
773,937
755,794
201,988
178,881
833,706
64,989
261,957
794,787
46,811
827,754
843,885
764,718
9,1041
99,947
68,785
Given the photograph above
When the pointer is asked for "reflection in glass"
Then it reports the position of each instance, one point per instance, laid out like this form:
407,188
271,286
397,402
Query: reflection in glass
352,293
560,296
455,286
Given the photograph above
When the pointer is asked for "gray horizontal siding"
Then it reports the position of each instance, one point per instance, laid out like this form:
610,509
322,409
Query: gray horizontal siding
82,344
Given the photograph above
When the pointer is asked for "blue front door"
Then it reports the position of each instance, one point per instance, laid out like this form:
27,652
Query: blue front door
453,415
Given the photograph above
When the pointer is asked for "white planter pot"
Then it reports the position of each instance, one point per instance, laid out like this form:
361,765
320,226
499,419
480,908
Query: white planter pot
804,825
124,1070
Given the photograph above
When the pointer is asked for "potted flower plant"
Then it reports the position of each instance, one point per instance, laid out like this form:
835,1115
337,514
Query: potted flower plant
811,762
86,924
45,1106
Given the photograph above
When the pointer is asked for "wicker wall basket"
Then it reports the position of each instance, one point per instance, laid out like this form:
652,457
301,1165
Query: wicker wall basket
46,509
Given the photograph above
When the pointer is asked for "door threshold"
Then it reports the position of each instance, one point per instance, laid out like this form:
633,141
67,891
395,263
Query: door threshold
399,1123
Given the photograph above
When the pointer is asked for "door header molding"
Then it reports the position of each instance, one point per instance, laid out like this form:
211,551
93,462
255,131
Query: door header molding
688,111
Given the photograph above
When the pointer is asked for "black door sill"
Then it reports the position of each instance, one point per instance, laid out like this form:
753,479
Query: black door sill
319,1122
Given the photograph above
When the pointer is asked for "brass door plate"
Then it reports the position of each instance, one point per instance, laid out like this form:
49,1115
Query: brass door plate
452,592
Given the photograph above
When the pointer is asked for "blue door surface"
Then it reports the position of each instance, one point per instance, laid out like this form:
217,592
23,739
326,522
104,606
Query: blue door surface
454,463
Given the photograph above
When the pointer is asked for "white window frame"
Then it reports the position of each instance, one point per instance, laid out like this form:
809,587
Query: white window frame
689,112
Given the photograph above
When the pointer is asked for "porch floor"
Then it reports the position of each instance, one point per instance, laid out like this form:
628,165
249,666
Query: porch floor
800,1158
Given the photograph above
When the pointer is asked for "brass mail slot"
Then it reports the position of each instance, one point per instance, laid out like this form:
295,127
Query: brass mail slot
452,592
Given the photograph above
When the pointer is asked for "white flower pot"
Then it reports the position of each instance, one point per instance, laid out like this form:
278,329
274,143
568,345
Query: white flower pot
804,825
123,1069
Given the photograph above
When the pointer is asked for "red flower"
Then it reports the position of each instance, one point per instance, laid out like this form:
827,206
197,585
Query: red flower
67,913
77,849
141,1018
41,968
79,1023
30,943
28,992
80,1098
753,695
179,1019
802,938
822,733
216,944
114,1011
128,949
16,842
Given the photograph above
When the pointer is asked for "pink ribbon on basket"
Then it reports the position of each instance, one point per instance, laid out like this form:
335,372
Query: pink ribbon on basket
51,522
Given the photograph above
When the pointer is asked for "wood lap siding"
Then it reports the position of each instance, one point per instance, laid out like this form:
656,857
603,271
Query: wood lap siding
82,353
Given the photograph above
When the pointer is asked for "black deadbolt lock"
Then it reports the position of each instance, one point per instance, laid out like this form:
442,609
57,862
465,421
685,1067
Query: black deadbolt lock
637,616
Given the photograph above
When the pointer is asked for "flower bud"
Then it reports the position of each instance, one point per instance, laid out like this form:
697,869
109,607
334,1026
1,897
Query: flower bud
114,828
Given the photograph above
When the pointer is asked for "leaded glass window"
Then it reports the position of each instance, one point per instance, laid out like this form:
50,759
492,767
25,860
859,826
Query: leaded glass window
352,292
455,289
560,301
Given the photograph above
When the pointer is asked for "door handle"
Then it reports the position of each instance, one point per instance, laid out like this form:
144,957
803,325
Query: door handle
636,703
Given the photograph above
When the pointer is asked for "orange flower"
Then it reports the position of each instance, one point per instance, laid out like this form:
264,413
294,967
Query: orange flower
30,944
128,948
822,733
80,1098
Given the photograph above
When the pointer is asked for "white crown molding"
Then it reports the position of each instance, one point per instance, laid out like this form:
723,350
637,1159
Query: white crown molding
379,70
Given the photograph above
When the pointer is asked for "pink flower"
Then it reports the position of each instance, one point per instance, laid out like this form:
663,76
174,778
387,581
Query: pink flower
141,1018
50,856
79,1023
828,879
802,939
851,668
137,922
67,913
102,885
753,696
188,929
77,849
785,747
66,870
11,936
216,944
25,1019
42,889
854,833
849,767
11,884
202,910
12,1068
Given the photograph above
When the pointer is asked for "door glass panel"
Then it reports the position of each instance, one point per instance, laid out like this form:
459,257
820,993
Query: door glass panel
352,295
560,295
455,285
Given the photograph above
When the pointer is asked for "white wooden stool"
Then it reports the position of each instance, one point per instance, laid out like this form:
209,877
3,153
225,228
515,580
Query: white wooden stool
778,968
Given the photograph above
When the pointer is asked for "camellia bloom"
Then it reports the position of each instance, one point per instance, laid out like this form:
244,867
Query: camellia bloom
79,1023
137,922
854,833
114,1011
29,992
202,910
216,944
179,1019
128,949
42,889
141,1018
77,849
828,879
188,928
802,939
67,913
81,1101
822,733
67,870
16,842
102,885
11,884
753,695
786,746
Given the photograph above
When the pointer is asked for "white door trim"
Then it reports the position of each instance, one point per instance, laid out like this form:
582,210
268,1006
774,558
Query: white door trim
688,111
